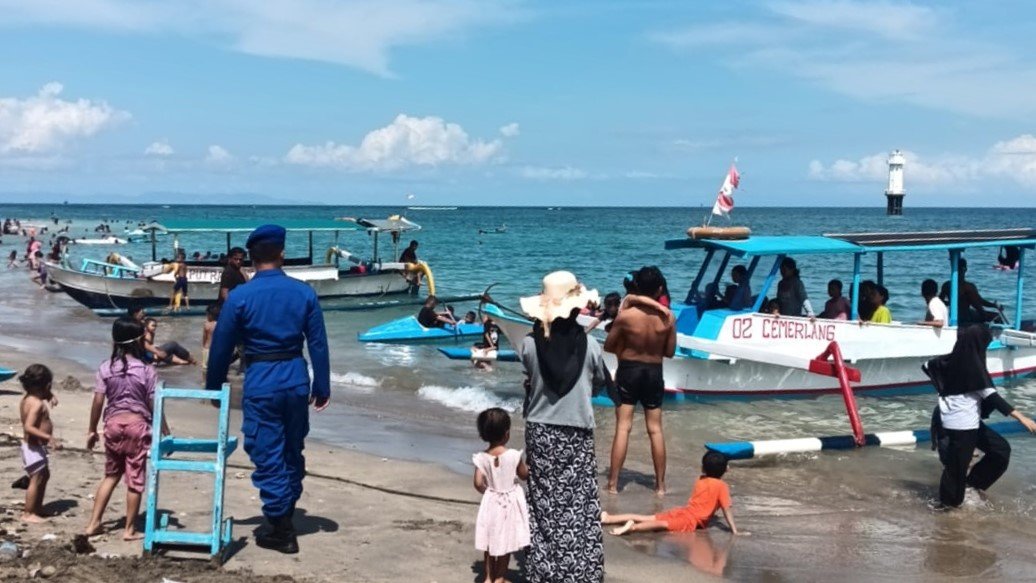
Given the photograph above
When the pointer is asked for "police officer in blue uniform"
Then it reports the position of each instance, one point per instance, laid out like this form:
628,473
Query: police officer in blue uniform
271,316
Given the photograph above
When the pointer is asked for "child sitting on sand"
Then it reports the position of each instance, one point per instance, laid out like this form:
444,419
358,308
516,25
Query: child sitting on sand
502,526
128,386
710,494
38,434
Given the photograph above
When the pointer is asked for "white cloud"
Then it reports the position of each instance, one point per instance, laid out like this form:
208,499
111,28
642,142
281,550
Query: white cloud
357,33
548,173
159,148
510,130
875,51
640,175
720,33
891,20
46,123
218,155
407,141
1013,160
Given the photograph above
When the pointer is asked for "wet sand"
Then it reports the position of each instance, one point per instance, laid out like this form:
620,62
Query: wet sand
370,518
390,496
361,518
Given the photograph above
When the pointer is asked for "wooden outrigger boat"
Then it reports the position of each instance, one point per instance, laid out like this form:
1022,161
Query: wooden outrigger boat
337,275
738,354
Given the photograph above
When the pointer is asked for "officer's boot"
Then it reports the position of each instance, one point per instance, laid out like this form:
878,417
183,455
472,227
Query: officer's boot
280,537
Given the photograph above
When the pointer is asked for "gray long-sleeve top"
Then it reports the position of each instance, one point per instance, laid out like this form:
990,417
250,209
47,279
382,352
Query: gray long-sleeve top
543,405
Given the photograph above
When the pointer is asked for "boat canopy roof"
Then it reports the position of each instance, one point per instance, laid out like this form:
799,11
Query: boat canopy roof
249,225
861,242
395,223
768,245
938,240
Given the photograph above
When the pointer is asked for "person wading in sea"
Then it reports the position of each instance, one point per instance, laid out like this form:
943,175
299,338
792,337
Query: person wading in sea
642,336
232,274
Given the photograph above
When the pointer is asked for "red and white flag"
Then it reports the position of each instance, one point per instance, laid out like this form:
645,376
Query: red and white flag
725,198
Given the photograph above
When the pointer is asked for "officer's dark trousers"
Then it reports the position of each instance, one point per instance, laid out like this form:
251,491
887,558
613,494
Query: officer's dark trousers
955,451
275,427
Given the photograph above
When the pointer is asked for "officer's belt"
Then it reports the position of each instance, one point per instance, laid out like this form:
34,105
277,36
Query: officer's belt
250,359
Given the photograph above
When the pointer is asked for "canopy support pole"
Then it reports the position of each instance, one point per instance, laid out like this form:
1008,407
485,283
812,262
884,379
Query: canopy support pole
1018,289
857,261
719,272
881,268
228,243
701,274
954,285
758,307
337,257
311,247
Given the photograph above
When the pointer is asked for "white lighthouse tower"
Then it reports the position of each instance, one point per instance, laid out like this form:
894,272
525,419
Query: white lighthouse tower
895,193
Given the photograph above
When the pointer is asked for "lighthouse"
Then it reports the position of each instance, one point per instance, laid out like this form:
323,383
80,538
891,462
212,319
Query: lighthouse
895,194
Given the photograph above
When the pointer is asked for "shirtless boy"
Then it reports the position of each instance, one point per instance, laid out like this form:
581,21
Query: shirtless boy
641,337
38,434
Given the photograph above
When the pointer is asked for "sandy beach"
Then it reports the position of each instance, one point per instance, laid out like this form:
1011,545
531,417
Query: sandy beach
389,494
361,518
367,518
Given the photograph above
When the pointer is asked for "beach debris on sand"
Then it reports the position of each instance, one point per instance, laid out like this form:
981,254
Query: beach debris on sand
69,562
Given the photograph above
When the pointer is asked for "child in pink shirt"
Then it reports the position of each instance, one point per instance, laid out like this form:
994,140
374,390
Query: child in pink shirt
836,308
127,384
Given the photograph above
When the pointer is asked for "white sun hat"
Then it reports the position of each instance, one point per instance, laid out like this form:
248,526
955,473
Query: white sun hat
562,293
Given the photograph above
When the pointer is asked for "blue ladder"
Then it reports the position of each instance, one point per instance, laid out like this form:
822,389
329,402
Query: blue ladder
157,531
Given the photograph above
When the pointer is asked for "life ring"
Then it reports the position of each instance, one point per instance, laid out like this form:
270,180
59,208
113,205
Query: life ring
723,233
422,267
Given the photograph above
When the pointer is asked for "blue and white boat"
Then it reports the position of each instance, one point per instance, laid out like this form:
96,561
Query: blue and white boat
6,374
409,331
724,353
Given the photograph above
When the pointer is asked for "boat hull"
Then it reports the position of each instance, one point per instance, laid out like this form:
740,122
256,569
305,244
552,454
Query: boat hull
702,377
408,331
102,292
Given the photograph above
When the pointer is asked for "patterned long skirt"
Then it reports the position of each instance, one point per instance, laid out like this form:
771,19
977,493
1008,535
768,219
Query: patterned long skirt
564,507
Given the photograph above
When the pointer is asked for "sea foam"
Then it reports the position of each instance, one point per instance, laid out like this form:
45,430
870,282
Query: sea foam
474,399
355,379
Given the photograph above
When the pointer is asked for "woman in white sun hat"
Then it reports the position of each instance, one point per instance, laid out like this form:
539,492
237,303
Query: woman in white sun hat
564,368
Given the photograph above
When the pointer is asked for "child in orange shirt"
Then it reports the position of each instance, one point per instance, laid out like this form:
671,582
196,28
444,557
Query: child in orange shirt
710,494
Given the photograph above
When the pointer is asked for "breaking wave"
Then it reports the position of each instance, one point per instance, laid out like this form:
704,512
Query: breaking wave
473,399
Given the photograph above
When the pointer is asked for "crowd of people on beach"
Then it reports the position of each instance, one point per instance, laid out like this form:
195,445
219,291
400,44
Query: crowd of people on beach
557,518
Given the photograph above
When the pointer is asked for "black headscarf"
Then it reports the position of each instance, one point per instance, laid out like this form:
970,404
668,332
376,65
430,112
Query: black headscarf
963,370
562,355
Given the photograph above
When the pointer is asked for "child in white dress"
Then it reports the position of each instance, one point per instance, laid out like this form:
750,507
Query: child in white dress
502,526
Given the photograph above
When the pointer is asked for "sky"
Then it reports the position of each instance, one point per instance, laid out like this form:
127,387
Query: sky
487,102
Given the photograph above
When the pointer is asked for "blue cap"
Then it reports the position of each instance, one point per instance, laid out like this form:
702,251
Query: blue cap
272,234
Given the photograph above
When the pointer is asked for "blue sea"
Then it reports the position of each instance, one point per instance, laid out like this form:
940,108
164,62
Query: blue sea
408,401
